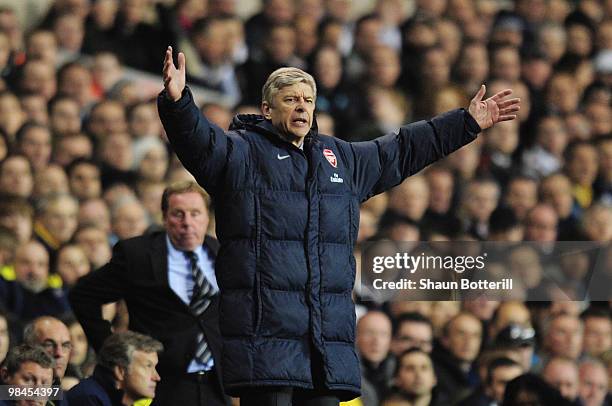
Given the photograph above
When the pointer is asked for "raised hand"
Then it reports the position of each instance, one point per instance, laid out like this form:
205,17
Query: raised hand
494,109
174,79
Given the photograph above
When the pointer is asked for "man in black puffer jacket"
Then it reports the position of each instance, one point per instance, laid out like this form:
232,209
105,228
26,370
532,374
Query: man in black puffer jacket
287,211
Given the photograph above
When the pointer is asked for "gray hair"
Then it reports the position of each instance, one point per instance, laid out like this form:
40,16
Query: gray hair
118,349
284,77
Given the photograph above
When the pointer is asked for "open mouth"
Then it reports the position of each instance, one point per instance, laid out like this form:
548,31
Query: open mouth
300,121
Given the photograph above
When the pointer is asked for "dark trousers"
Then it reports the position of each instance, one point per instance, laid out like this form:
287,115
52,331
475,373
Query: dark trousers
190,389
286,396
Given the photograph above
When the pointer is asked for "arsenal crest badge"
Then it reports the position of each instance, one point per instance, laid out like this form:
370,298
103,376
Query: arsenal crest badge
331,157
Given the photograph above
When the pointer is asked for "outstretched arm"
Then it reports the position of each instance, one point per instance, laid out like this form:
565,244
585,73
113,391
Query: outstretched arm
494,109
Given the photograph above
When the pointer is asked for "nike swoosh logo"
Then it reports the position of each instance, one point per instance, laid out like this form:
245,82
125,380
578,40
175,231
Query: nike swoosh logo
280,158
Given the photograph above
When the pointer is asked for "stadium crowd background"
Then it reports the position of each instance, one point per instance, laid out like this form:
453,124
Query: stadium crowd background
83,157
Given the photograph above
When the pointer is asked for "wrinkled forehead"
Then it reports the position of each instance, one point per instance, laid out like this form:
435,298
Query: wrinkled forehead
296,89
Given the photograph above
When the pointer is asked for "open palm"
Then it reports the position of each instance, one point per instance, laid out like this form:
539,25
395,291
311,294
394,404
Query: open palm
174,79
494,109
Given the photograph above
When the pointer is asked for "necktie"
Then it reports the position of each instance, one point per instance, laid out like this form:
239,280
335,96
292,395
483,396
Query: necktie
202,295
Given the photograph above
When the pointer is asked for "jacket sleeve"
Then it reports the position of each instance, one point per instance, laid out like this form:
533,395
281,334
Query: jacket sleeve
105,285
201,146
385,162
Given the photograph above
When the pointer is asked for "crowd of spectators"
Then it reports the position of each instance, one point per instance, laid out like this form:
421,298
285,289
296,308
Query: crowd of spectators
84,161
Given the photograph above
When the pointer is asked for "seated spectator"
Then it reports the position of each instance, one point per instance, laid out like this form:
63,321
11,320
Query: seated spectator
17,215
530,389
32,293
415,380
454,358
412,330
125,372
593,387
597,337
500,371
563,336
562,373
16,176
27,366
520,340
52,335
55,222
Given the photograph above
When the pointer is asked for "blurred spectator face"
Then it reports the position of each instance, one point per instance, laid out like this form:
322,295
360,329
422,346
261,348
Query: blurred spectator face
436,68
552,135
500,376
481,307
211,43
79,344
420,36
563,92
597,335
69,31
339,9
103,13
449,36
415,375
556,190
536,72
5,49
597,223
480,200
39,78
564,336
504,137
525,264
384,66
16,176
281,43
306,31
411,197
54,337
117,151
150,194
441,186
60,217
4,338
19,222
129,220
76,82
71,147
413,334
463,338
106,70
279,11
604,35
541,224
36,146
144,121
154,165
217,114
600,116
107,118
35,108
433,8
95,243
578,127
72,263
473,63
449,97
50,180
563,375
12,116
42,45
510,313
583,164
367,36
593,384
374,337
506,64
64,117
95,212
605,160
522,196
32,266
133,11
85,181
579,40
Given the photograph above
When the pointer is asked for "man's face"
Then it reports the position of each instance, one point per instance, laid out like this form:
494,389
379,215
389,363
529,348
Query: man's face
130,220
563,375
32,266
416,375
500,377
65,118
31,374
16,177
36,146
413,334
374,337
597,335
186,220
141,377
85,181
593,384
54,337
292,110
464,336
564,337
60,219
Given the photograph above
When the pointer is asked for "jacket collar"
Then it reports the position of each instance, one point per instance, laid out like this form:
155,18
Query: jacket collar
104,377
